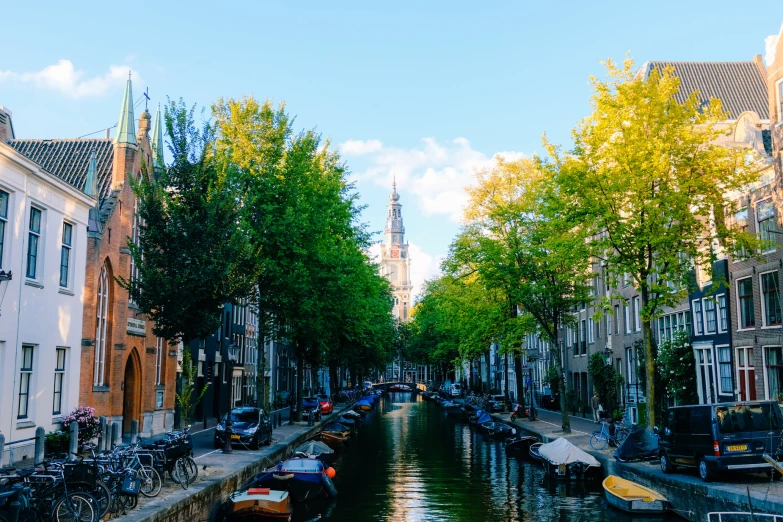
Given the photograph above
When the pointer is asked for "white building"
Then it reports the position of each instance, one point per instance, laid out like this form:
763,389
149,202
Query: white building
43,243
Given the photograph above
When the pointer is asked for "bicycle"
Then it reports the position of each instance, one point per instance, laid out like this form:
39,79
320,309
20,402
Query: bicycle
599,439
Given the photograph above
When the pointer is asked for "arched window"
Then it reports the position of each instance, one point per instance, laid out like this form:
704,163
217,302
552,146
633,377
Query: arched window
101,328
135,239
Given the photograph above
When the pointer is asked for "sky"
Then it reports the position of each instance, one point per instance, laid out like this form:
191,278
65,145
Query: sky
424,91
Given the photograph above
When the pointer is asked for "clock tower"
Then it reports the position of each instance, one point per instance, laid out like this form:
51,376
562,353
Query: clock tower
395,263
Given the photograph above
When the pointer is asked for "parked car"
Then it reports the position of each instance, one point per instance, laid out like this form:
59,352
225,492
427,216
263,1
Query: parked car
250,426
311,405
497,403
728,436
456,390
326,403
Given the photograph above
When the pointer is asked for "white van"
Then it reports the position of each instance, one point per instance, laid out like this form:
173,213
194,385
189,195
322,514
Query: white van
456,390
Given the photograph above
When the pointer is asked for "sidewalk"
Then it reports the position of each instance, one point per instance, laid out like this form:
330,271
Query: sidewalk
689,496
220,474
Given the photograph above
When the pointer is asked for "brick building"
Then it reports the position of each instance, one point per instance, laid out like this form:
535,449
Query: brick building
126,372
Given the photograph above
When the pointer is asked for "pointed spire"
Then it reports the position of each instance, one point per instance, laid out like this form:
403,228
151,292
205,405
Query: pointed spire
394,196
157,140
126,132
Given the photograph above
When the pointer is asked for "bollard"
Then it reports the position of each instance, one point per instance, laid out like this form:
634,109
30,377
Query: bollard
103,444
40,443
2,447
74,446
205,421
134,435
116,436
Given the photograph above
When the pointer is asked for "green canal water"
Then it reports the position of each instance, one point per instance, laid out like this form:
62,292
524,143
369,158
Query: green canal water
409,462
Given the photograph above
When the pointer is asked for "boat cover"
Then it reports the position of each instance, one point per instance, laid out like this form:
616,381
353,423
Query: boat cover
363,402
336,426
563,452
314,447
484,417
302,465
640,444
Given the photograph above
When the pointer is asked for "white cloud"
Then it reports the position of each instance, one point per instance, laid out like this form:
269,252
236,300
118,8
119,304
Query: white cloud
435,173
423,266
360,147
65,79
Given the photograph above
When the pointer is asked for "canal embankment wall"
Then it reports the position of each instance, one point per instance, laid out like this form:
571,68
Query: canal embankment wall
202,501
689,496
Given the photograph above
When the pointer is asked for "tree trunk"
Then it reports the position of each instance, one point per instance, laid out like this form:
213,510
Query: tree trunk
489,371
333,379
299,380
650,363
505,372
565,421
520,381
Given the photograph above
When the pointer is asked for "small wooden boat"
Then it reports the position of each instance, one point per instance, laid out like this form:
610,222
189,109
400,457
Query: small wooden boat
364,405
333,440
315,449
304,479
498,429
534,450
338,429
258,504
632,497
520,443
352,414
564,461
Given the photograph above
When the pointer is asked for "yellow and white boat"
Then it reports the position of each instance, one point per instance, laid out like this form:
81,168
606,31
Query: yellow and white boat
632,497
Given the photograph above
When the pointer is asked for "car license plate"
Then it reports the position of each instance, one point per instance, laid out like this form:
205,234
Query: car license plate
234,437
738,447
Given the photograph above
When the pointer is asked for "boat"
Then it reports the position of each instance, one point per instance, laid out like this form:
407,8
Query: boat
520,443
351,414
333,440
337,428
564,461
452,408
632,497
400,387
480,418
534,450
303,478
742,516
363,405
315,449
498,429
351,423
258,504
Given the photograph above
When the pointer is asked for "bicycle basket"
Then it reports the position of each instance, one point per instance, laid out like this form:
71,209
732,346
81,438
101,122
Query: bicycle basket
177,449
81,474
131,485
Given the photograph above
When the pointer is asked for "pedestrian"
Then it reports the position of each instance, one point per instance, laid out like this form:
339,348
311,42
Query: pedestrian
596,404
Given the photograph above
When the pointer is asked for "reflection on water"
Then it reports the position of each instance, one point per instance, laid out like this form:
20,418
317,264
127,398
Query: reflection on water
409,462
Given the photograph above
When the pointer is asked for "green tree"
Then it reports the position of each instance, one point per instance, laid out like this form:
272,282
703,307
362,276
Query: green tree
677,368
187,398
606,380
191,256
650,183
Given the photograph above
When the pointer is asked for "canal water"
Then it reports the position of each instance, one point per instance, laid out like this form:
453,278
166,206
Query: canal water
409,462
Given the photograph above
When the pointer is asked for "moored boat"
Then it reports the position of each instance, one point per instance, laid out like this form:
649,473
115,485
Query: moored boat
520,443
498,429
315,449
337,428
258,504
303,478
632,497
333,440
564,461
364,405
534,450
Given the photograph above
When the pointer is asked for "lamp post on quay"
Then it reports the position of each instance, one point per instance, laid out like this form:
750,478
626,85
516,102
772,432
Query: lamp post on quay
233,358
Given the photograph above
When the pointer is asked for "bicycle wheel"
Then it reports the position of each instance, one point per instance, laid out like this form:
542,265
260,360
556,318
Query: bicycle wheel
620,434
103,496
598,440
150,481
182,473
192,468
75,507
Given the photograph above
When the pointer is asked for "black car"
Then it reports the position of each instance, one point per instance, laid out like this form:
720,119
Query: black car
250,426
497,403
728,436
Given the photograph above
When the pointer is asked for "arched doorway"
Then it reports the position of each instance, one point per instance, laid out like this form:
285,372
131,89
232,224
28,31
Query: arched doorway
131,392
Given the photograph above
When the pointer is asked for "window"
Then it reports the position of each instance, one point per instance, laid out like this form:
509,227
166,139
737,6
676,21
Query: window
608,324
703,274
59,375
711,316
724,366
25,375
34,237
745,297
774,372
583,336
741,224
627,311
158,361
617,319
591,329
99,377
598,329
746,374
765,213
135,226
770,296
723,314
637,321
65,254
3,221
159,400
697,318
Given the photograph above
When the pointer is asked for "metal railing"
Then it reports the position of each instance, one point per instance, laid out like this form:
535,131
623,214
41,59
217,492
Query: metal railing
742,516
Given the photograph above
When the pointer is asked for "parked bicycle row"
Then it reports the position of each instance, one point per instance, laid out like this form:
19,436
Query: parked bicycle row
86,489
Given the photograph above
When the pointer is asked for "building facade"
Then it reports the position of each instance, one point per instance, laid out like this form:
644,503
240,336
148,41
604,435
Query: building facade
43,246
126,372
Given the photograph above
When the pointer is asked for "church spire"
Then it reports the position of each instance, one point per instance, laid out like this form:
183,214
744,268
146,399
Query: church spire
395,231
157,140
91,189
126,132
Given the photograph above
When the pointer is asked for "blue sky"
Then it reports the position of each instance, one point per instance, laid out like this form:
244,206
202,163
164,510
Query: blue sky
428,92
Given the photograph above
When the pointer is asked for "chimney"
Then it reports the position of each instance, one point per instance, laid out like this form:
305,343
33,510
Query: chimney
6,125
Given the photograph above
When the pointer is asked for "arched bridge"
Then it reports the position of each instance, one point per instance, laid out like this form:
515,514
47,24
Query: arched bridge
385,386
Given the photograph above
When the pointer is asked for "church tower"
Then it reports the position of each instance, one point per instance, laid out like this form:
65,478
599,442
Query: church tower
395,263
